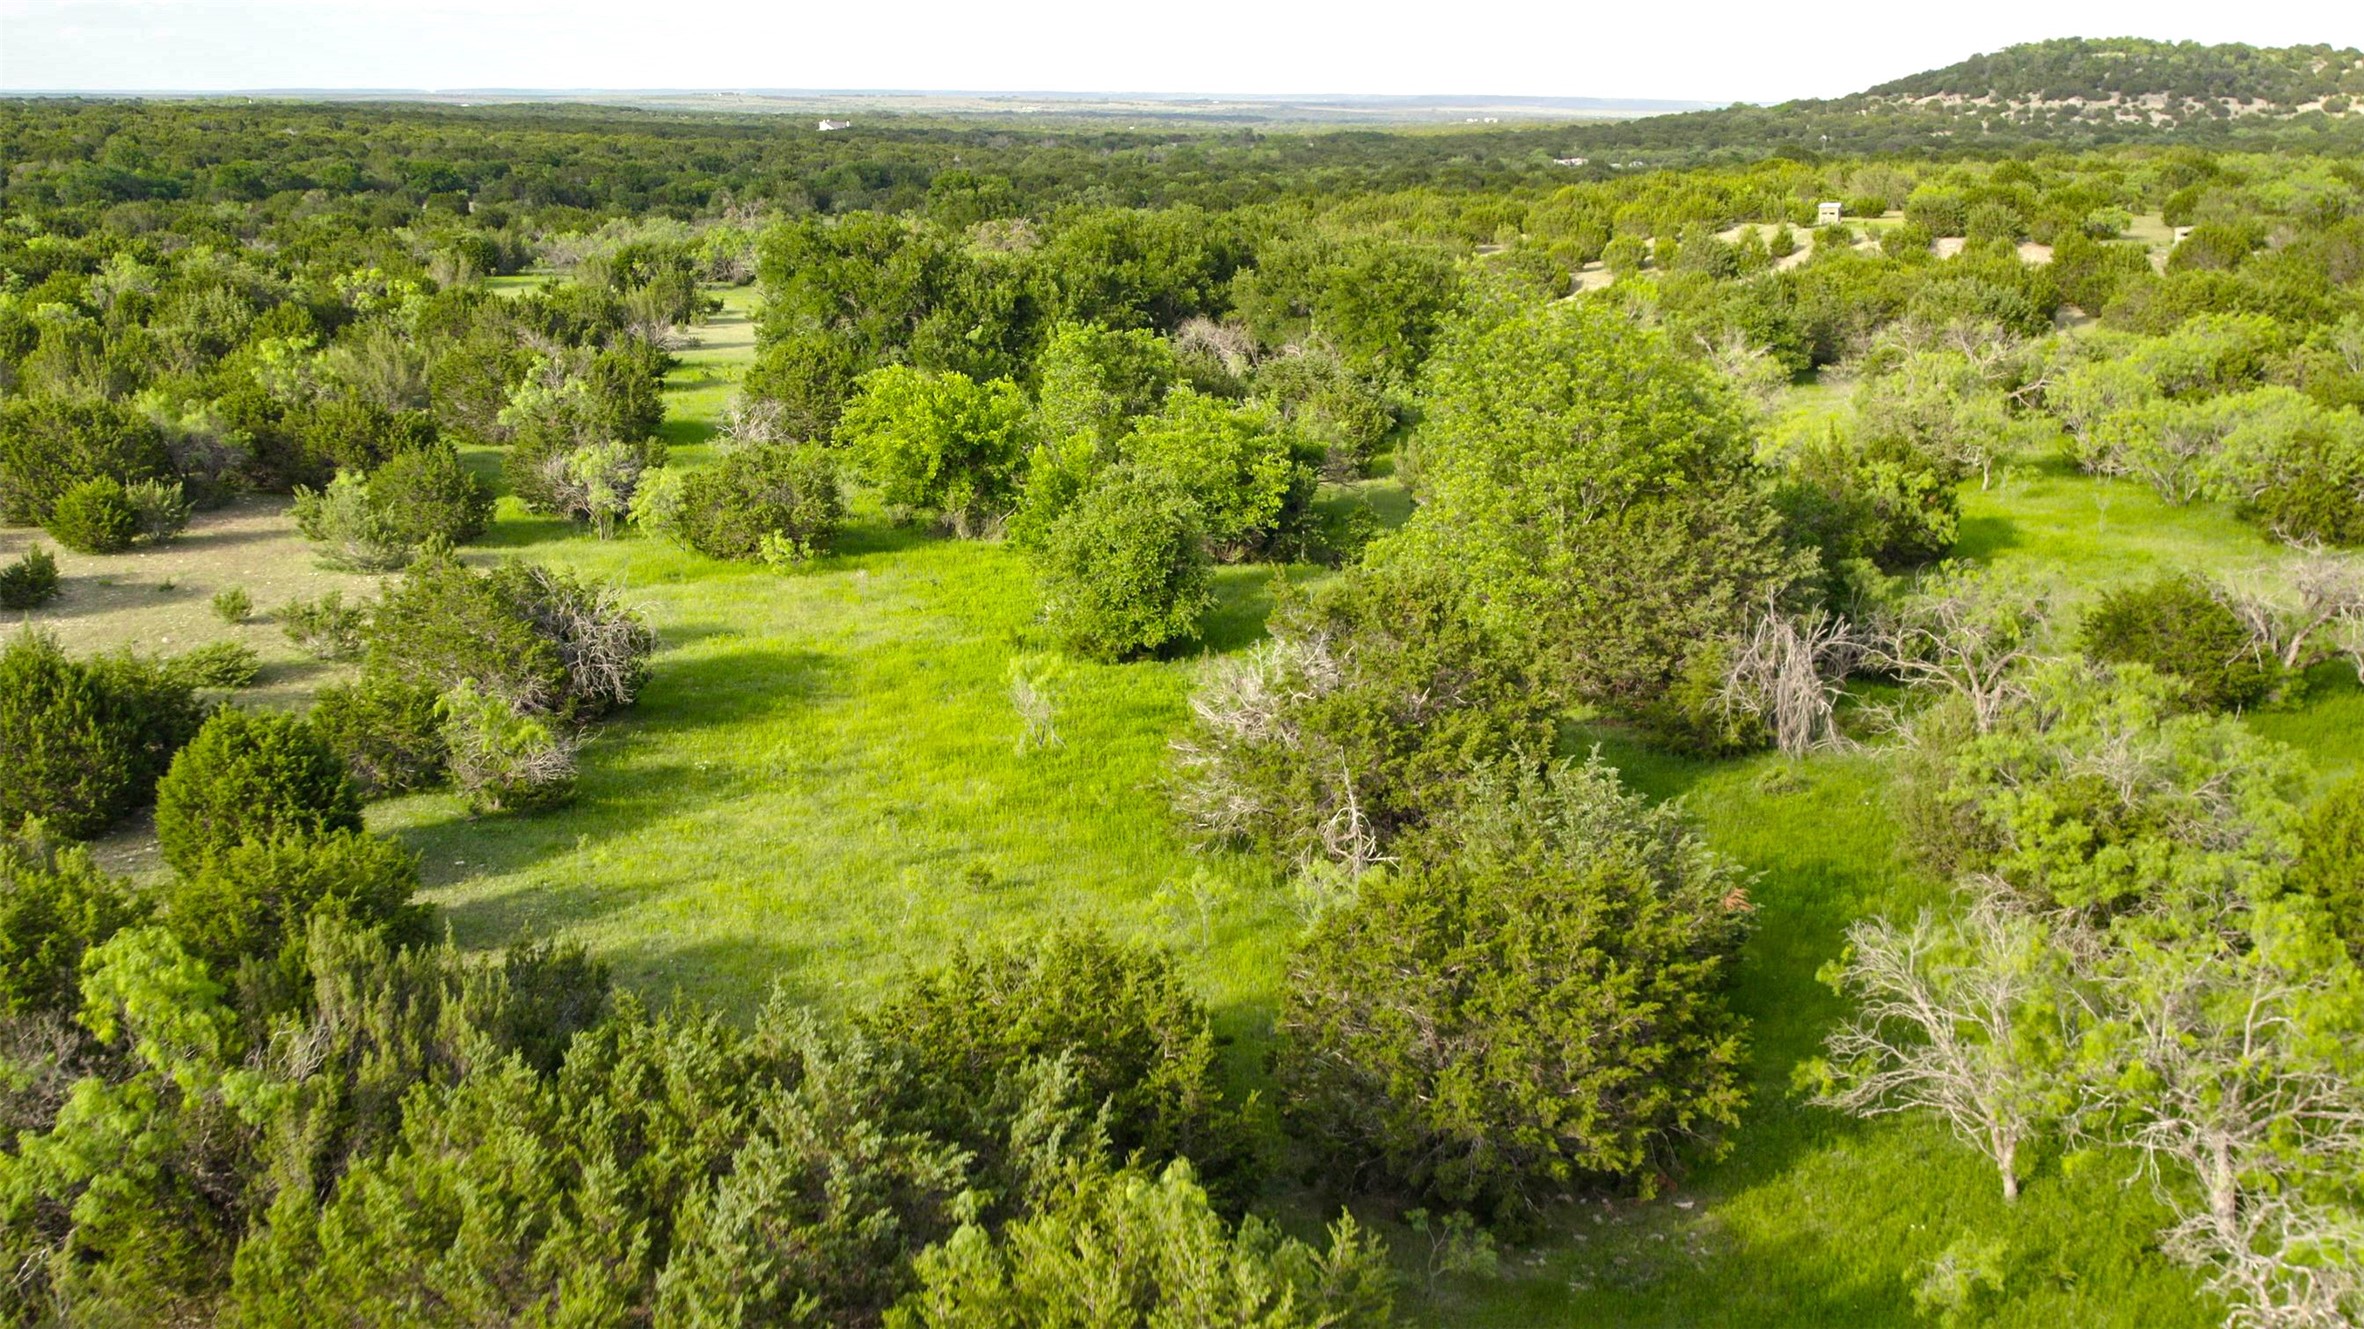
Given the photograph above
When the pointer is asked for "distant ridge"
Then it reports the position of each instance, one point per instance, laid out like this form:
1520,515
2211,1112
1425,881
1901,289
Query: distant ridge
2072,92
1204,108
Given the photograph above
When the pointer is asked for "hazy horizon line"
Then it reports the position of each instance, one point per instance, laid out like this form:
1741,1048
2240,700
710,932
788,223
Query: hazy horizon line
1457,98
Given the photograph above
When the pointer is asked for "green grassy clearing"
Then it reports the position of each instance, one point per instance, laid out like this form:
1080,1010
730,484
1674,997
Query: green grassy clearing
822,785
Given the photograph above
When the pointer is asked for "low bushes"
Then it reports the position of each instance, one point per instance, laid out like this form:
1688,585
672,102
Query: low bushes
1139,1046
102,515
258,897
1152,1244
49,445
544,641
82,742
55,905
1125,570
776,501
420,499
31,581
484,679
1374,697
428,495
500,759
2178,626
1534,1003
95,516
221,664
250,775
326,628
386,731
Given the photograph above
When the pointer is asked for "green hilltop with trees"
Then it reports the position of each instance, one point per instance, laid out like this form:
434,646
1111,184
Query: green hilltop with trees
624,717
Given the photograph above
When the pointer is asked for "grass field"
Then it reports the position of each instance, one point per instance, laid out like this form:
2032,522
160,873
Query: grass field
823,784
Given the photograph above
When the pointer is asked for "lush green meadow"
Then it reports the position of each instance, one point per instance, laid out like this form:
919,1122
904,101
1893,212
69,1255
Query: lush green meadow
824,783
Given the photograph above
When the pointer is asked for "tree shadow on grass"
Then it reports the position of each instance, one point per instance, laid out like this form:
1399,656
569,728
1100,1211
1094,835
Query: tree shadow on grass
1243,603
864,536
622,790
515,531
735,975
1983,537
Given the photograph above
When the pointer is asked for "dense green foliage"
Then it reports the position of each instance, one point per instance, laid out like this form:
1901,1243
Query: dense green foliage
30,581
976,1033
1374,699
1124,570
1662,465
1130,1249
84,741
1534,1004
780,502
2176,626
250,776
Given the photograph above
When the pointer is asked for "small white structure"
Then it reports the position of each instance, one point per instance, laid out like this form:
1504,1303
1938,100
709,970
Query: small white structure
827,125
1827,212
1569,161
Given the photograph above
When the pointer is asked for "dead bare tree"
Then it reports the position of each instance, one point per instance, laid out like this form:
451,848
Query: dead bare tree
1030,696
1964,633
2308,612
1960,1017
1788,672
1749,367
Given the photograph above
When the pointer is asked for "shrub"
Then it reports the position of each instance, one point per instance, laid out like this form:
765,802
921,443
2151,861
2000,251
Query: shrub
232,605
55,905
160,509
2088,791
939,441
1359,717
2178,626
83,742
95,516
2330,864
770,489
31,581
387,732
1249,475
250,775
2312,487
1596,490
1155,1248
221,664
545,641
1329,406
1882,500
257,897
500,758
597,485
1124,571
428,495
50,444
326,628
1137,1041
1536,1002
358,532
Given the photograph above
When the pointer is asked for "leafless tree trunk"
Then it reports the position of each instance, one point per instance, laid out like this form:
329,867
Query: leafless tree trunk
2309,613
1965,634
1958,1017
1789,672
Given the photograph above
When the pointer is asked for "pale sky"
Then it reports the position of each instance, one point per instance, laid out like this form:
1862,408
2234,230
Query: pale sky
1705,50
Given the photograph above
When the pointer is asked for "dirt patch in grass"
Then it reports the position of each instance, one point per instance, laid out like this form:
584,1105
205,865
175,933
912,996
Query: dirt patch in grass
159,601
